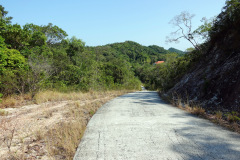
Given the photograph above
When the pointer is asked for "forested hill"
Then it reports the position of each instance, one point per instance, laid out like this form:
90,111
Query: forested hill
176,51
132,51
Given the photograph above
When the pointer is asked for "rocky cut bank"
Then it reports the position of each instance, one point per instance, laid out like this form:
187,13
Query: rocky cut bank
214,82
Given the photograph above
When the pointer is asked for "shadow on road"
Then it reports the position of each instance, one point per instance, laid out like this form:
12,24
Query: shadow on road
145,98
201,140
197,138
141,126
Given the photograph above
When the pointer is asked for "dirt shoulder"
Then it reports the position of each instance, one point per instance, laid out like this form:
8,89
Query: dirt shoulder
49,130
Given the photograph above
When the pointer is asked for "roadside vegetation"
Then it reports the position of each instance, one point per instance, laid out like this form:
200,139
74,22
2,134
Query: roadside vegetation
228,119
52,128
37,58
198,81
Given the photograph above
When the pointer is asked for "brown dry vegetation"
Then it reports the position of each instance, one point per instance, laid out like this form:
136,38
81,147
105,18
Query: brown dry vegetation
16,100
228,120
50,129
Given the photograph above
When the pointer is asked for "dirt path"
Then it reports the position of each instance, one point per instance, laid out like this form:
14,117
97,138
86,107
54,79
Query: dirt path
141,126
27,123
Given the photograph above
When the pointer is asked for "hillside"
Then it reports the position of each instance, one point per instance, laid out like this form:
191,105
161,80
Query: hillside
176,51
214,81
132,51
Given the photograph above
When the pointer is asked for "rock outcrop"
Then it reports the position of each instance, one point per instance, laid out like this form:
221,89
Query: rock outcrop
215,81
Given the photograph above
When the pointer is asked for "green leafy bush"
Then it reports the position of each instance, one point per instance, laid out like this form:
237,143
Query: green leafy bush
233,116
1,97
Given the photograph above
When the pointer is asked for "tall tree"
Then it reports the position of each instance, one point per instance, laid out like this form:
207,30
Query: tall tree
3,15
53,33
183,22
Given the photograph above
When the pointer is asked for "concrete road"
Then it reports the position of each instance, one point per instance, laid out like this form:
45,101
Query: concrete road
140,126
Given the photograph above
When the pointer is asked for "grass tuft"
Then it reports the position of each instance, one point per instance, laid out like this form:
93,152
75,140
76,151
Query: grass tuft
38,135
3,112
229,120
15,100
8,102
197,110
218,115
63,139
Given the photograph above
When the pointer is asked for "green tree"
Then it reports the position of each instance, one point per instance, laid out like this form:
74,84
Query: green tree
189,50
12,67
227,20
15,37
53,33
75,46
4,20
2,43
205,28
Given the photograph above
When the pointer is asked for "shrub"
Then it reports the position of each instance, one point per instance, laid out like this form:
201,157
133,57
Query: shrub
219,115
9,102
1,96
198,110
232,117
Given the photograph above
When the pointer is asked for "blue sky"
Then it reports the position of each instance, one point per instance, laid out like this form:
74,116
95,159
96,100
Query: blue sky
100,22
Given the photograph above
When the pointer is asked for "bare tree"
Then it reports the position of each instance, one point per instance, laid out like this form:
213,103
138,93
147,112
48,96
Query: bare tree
184,23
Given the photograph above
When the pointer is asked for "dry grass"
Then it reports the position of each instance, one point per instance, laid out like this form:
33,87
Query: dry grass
54,96
63,139
38,135
52,129
179,103
218,115
187,107
15,101
198,110
47,113
9,102
230,120
3,112
193,108
7,131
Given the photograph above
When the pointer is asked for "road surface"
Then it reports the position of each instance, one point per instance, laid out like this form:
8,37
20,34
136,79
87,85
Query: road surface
140,126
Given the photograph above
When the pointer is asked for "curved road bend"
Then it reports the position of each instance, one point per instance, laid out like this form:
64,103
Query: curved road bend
140,126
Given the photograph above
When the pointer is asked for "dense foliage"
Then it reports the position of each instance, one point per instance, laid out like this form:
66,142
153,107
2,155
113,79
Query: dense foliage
36,57
174,50
142,59
227,22
132,52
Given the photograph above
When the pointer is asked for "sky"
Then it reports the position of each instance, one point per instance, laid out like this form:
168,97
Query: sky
100,22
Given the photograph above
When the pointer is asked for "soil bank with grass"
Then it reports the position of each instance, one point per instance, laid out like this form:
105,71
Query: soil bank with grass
50,126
